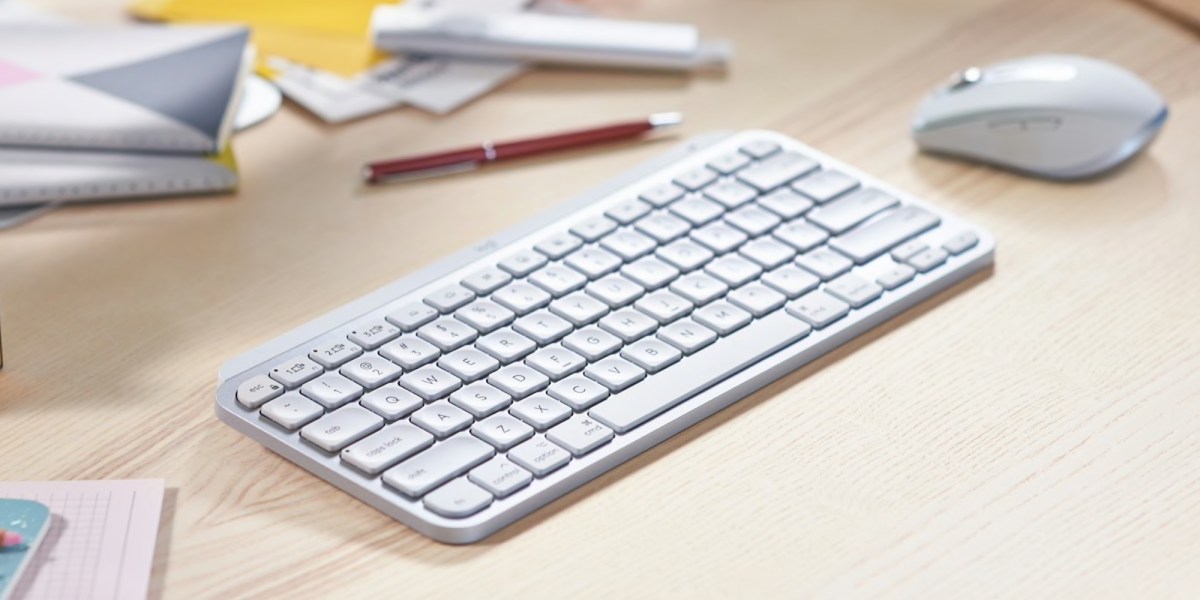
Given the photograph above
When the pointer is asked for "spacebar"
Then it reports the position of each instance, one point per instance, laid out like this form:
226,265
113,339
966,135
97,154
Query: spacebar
700,371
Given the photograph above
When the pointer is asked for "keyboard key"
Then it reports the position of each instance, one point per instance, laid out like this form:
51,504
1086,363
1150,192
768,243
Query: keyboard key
502,431
410,352
777,170
594,262
851,209
760,148
651,354
685,255
825,263
926,260
699,288
341,428
334,354
592,342
800,235
722,317
438,464
558,246
523,263
650,273
615,373
485,281
696,178
295,372
448,333
663,226
373,334
873,239
719,237
457,499
468,364
628,211
578,392
818,309
387,447
687,335
521,297
580,435
824,186
594,228
442,419
331,390
615,291
480,399
558,279
506,345
785,203
292,411
628,244
485,316
854,290
697,210
767,252
791,281
728,163
542,412
628,324
540,456
391,402
664,306
895,276
753,220
662,195
412,316
579,308
757,299
733,269
960,242
258,390
371,371
450,298
430,382
731,193
519,380
500,476
543,326
906,250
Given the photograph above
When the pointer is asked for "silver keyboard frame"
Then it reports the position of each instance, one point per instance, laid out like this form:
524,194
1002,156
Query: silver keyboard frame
696,151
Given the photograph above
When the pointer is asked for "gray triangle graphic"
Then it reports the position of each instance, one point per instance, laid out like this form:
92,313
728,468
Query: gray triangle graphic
192,86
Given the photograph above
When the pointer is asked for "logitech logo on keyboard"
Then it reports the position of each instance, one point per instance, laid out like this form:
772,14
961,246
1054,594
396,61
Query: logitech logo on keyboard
487,247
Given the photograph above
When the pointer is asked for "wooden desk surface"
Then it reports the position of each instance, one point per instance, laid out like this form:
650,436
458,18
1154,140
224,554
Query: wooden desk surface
1034,432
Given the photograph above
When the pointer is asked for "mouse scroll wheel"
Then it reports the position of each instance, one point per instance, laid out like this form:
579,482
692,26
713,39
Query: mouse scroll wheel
966,77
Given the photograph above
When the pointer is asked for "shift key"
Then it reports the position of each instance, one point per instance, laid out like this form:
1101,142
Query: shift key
865,243
438,464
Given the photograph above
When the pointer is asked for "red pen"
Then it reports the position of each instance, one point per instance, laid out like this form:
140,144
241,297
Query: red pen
441,163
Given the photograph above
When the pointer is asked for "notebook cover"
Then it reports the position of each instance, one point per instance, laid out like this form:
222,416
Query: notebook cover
30,519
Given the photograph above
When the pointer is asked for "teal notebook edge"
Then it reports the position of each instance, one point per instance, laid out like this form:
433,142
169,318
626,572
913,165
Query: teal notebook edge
31,520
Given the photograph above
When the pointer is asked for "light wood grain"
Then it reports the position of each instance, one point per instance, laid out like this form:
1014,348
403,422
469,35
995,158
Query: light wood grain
1034,432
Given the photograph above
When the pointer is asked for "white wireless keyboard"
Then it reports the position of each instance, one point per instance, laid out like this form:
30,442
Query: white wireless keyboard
465,396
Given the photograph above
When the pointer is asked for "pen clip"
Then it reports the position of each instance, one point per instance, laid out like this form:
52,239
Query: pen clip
461,167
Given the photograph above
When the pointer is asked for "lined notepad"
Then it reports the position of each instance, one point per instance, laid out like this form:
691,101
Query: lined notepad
100,545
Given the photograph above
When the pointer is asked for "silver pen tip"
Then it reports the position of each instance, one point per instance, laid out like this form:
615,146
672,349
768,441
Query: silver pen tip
666,119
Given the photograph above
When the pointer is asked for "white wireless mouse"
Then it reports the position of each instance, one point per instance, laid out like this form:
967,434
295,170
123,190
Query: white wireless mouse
1053,116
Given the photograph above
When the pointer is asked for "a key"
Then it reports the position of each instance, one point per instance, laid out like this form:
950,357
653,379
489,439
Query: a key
664,306
502,431
412,316
485,281
719,237
391,402
628,324
906,250
697,210
687,335
825,263
786,203
334,354
699,288
579,308
695,178
753,220
760,148
777,170
258,390
592,342
450,298
485,315
480,399
457,499
558,279
685,255
543,326
662,195
722,317
628,211
824,186
650,273
292,411
580,435
851,209
733,269
729,163
523,263
341,428
521,297
518,380
800,235
663,226
594,262
926,260
448,333
628,244
373,334
296,372
594,228
960,242
615,373
818,309
500,476
895,276
442,419
558,246
540,456
854,290
757,299
410,352
555,362
506,345
651,354
468,364
578,392
430,382
873,239
387,447
767,252
331,390
730,193
791,281
541,411
437,465
371,371
615,291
